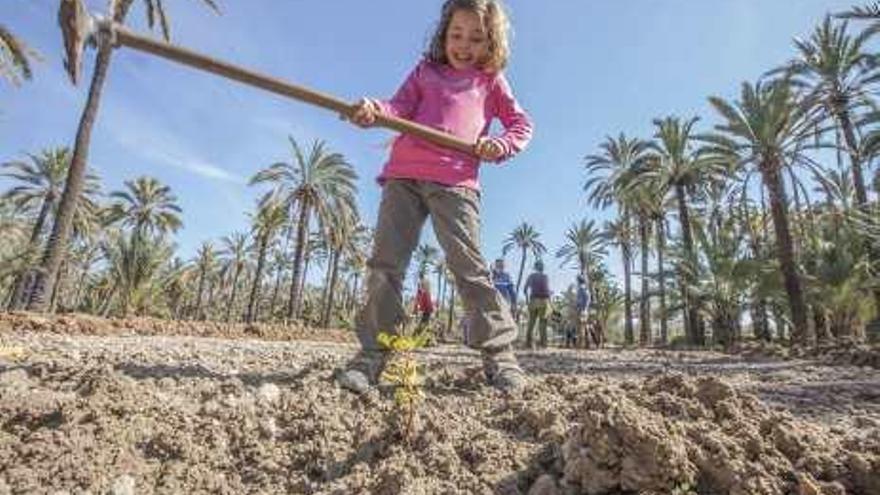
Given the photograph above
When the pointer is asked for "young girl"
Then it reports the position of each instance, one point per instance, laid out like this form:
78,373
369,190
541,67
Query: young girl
457,87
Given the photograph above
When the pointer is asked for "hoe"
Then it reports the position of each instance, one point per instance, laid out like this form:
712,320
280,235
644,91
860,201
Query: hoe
80,29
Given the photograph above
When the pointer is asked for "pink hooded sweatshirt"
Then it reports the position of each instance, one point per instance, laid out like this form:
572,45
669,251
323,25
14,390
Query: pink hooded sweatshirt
459,102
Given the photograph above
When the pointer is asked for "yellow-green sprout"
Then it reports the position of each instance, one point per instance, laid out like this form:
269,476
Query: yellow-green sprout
405,373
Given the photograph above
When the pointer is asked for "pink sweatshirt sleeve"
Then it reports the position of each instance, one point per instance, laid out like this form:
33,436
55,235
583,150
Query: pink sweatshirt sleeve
404,102
517,124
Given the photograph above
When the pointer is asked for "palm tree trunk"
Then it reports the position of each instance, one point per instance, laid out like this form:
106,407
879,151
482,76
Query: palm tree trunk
451,315
24,280
644,303
791,278
59,286
56,248
231,303
697,337
199,293
522,267
628,332
301,231
327,274
258,279
626,251
661,273
331,288
852,147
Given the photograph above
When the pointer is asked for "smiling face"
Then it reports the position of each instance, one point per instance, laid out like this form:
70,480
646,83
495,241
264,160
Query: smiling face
467,43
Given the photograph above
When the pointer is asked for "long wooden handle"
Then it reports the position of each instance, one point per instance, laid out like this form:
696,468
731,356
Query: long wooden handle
203,62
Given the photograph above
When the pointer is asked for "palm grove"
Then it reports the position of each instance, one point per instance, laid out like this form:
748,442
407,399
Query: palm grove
761,225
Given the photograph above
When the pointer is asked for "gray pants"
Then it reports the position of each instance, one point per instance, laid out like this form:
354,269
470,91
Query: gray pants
455,214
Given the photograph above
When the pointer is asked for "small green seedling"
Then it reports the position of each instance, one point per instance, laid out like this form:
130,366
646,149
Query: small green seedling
405,373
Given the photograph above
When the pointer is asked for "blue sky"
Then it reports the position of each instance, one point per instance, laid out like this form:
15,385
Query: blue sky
583,69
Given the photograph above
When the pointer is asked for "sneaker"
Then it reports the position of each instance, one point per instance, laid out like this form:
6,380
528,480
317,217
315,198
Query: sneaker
503,371
362,372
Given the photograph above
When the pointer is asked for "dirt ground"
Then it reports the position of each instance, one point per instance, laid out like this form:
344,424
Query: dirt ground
126,412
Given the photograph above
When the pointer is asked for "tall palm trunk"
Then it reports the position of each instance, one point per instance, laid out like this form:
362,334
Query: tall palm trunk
231,302
307,263
199,293
626,251
645,302
258,278
852,146
451,315
59,286
696,336
661,273
779,211
24,280
522,268
293,303
73,187
327,274
331,288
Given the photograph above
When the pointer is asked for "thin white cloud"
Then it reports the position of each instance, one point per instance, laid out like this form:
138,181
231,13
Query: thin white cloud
153,143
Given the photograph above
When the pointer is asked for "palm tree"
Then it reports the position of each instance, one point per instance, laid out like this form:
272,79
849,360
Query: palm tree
425,257
611,174
525,238
585,246
175,280
42,179
315,183
73,187
651,203
15,57
235,251
134,265
205,264
869,11
270,218
643,216
680,169
837,69
341,235
148,206
619,233
724,276
770,127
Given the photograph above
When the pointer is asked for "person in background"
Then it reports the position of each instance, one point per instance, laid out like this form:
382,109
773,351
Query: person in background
503,284
424,304
537,292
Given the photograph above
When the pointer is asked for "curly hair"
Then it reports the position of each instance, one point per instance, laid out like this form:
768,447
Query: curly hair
495,21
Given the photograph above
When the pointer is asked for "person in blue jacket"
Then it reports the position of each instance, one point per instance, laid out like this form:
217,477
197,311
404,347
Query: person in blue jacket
503,283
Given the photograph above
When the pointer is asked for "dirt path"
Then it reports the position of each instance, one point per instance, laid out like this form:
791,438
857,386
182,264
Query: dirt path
141,414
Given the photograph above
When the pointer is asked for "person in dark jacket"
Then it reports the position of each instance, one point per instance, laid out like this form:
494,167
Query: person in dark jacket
537,292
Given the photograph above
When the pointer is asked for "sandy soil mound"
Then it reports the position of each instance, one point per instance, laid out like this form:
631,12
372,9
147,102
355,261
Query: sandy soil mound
850,353
191,415
82,324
